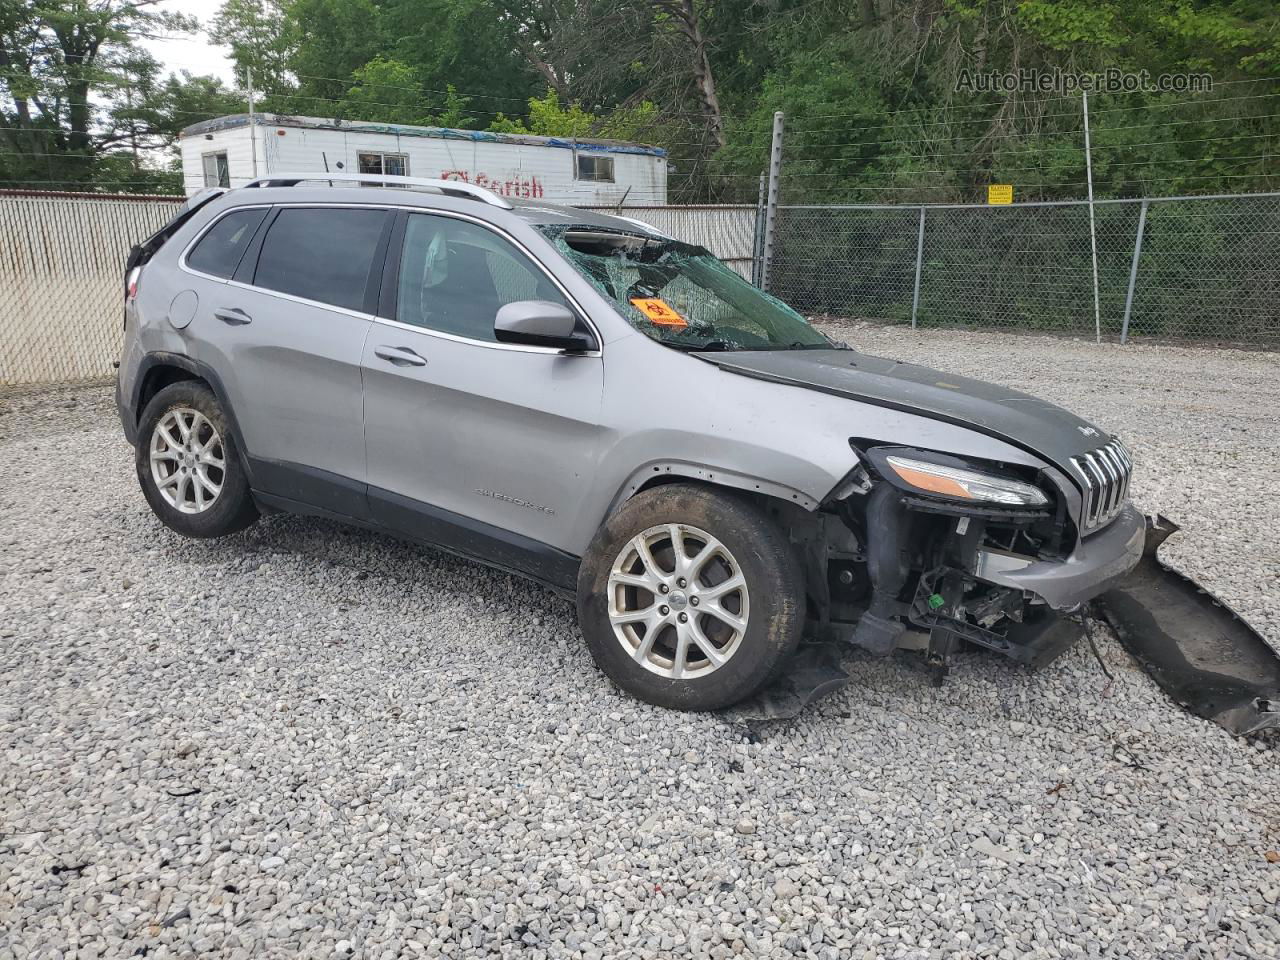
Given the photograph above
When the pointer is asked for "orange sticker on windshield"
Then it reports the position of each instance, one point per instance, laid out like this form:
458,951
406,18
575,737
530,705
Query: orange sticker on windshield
658,311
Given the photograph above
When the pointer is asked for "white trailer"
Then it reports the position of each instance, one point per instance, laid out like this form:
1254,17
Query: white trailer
230,151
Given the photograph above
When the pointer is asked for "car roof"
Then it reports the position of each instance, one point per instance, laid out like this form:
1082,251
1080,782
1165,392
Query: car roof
534,212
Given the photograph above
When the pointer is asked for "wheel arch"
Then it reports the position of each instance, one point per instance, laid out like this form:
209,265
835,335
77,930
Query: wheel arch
659,472
160,369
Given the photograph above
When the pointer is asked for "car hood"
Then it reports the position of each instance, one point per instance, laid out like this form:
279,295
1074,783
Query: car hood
1027,422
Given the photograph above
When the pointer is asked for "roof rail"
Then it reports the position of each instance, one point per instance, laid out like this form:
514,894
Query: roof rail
453,188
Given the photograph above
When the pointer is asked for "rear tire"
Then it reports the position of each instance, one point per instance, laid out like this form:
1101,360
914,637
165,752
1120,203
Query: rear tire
189,466
699,630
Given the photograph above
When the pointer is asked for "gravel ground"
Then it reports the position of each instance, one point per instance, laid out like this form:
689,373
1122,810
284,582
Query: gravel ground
308,740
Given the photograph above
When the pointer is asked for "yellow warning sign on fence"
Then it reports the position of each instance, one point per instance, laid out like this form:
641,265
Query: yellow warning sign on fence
1000,193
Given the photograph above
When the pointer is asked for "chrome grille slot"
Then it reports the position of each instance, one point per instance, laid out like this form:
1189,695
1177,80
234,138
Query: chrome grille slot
1105,474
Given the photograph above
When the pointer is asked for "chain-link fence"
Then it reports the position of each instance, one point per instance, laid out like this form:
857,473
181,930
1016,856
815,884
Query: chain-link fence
1202,268
62,281
1206,268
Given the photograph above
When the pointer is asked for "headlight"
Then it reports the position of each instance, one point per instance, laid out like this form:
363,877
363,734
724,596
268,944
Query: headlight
960,484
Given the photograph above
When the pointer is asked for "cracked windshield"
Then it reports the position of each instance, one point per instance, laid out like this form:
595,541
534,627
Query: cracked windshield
680,295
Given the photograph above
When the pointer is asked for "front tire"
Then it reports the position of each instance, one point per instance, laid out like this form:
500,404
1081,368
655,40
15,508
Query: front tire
189,466
690,598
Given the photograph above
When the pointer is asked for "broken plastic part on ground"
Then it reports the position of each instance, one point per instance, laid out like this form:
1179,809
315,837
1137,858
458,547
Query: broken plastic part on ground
1199,651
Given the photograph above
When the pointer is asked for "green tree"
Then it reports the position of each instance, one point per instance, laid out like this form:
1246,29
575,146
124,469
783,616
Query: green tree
547,117
388,91
63,66
262,39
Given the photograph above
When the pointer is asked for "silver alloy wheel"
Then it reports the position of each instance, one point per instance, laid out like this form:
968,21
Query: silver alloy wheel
188,461
678,601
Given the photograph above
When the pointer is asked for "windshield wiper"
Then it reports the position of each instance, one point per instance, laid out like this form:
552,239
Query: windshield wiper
829,345
710,345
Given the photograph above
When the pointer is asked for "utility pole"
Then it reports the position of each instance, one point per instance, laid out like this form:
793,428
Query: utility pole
253,132
133,126
1093,230
771,205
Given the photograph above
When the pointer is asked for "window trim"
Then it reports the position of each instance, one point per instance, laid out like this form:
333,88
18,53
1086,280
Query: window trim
204,175
577,168
392,251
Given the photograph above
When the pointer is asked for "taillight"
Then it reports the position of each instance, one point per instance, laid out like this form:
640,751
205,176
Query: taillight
131,284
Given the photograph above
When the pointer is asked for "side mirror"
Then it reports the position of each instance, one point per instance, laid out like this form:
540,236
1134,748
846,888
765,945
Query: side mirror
539,323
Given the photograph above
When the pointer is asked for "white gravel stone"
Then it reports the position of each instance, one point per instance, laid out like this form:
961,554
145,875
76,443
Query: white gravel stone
309,740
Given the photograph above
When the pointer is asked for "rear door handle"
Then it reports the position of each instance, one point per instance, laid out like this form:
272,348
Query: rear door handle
400,356
233,315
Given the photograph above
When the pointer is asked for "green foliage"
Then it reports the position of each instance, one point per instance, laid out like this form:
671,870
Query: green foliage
547,117
72,86
262,40
388,91
385,91
870,90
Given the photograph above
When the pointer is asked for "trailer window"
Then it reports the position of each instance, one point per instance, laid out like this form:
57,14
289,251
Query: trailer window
387,164
216,171
595,168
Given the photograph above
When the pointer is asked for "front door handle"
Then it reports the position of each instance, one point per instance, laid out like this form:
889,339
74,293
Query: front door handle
400,356
233,315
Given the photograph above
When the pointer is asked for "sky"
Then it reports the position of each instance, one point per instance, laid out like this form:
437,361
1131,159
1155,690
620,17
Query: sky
192,52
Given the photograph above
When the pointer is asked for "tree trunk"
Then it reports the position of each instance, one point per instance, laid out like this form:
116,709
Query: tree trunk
686,18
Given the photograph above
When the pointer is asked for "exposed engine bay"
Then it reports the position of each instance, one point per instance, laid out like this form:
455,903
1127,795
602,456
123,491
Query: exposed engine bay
890,568
888,564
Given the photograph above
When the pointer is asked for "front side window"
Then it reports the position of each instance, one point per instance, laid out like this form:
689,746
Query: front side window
387,164
455,275
220,249
321,254
679,294
595,168
216,171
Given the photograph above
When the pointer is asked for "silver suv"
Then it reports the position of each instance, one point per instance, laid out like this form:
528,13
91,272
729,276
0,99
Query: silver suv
582,400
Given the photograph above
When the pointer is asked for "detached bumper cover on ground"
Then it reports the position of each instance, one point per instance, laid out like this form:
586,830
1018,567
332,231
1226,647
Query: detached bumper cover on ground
1200,651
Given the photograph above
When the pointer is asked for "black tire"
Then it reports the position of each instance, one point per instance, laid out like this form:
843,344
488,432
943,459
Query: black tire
233,508
769,566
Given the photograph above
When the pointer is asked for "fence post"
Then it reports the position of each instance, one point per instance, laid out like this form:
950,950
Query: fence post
1093,230
915,295
771,206
1133,271
757,234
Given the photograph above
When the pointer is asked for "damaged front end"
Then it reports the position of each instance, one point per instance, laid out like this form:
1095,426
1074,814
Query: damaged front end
926,551
937,550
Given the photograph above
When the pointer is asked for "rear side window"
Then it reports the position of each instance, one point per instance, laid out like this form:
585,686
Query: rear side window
220,249
321,254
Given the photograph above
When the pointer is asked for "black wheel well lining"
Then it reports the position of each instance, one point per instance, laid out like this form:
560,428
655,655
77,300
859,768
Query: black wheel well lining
783,512
157,377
